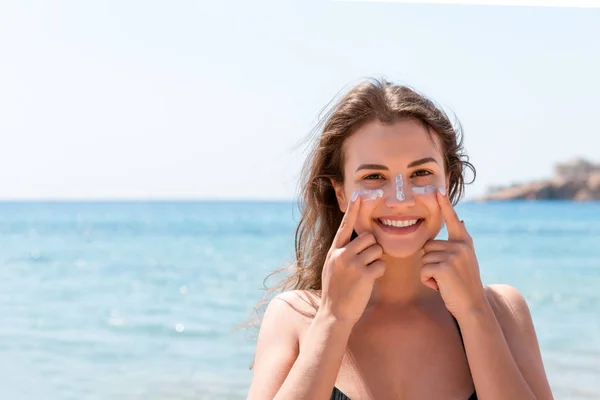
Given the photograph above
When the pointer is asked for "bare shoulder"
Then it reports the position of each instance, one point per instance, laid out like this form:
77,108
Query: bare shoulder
287,311
503,295
301,302
514,317
509,305
283,321
278,343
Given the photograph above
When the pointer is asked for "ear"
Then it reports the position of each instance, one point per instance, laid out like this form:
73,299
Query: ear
339,194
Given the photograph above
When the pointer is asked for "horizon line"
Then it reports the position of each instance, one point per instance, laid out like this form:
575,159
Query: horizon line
496,3
466,199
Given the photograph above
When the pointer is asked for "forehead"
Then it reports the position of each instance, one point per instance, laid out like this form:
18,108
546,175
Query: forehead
403,141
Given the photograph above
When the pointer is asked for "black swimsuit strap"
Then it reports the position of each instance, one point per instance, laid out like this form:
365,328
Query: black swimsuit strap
459,332
338,395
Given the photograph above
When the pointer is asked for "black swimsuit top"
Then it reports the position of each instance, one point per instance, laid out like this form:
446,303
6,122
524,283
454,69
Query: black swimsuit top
338,395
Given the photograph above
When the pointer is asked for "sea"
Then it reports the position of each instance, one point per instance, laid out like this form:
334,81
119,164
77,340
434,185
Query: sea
149,300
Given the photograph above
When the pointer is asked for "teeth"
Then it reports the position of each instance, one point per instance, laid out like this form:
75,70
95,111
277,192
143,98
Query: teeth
398,224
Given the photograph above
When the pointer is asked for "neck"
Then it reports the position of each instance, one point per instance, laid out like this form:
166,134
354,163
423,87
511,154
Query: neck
401,283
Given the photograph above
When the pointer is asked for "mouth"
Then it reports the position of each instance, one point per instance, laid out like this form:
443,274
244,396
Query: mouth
399,227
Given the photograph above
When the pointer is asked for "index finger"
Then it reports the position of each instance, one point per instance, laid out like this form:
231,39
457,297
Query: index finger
455,228
344,232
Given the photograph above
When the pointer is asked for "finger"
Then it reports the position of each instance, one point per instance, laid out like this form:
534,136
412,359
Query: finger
434,257
436,245
371,254
342,236
444,245
455,228
376,269
467,237
428,272
362,242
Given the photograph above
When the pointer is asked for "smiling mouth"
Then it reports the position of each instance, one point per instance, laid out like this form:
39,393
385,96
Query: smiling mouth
396,227
399,224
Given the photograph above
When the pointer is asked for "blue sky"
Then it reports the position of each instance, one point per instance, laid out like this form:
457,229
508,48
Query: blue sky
154,100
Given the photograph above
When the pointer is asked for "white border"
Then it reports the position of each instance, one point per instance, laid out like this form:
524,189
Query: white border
523,3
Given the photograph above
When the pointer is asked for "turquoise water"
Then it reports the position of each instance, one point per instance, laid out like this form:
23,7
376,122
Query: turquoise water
138,300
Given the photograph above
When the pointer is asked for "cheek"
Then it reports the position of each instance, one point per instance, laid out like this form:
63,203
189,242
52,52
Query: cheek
431,203
364,222
434,212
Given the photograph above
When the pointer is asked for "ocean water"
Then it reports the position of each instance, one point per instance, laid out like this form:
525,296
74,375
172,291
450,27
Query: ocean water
139,300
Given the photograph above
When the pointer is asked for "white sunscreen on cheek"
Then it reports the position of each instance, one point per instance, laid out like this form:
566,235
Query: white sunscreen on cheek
424,189
400,188
367,194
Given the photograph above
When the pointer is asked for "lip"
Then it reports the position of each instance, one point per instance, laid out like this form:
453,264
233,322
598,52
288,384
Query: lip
399,218
394,230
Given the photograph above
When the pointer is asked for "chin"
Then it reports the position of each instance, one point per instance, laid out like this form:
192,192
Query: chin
402,250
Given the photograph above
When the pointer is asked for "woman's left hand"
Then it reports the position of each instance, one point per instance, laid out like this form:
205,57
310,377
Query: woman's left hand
451,266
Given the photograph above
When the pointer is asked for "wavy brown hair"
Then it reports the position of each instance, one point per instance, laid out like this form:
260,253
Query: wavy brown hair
372,100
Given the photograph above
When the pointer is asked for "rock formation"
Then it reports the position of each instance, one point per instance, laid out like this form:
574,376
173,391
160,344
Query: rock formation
577,180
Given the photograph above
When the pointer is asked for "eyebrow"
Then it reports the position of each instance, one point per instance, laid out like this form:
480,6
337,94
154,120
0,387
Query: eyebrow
413,164
422,161
372,166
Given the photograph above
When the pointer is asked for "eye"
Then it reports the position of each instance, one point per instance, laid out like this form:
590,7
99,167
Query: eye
422,172
372,177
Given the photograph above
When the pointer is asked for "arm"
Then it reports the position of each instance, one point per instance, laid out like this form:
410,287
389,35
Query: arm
285,371
502,348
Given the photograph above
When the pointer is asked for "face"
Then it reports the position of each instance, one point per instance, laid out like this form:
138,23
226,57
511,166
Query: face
399,167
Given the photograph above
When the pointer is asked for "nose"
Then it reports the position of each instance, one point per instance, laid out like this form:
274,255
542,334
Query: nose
392,201
397,194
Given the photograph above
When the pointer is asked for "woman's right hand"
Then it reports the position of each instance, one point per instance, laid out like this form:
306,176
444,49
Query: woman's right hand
350,269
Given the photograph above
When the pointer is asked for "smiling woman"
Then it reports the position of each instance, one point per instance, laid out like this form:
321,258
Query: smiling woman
371,307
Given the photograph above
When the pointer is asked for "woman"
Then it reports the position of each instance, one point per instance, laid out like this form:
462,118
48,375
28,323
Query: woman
379,308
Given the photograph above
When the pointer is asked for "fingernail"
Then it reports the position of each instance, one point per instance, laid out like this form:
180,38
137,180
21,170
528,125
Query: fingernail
442,190
354,196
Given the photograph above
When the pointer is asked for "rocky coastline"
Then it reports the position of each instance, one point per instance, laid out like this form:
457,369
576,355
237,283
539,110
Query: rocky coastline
577,180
